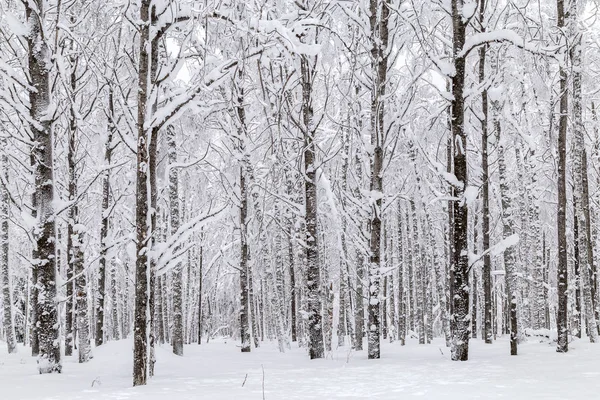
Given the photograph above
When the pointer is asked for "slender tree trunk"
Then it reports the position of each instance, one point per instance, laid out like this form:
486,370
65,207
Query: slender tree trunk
460,269
293,297
507,230
359,311
409,260
577,271
105,222
177,336
418,267
313,270
46,315
200,279
142,290
485,220
5,270
580,192
379,61
401,293
562,326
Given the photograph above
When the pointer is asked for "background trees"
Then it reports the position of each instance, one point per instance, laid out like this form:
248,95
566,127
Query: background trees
308,172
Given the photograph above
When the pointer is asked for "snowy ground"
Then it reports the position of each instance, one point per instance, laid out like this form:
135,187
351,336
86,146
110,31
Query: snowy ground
217,371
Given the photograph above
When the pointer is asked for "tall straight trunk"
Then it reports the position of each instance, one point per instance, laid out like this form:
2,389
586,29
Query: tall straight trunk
545,260
153,195
46,315
460,272
474,286
510,260
5,270
401,291
592,270
275,274
114,301
580,192
313,269
253,309
378,20
142,290
485,193
177,335
409,260
418,272
70,317
83,326
359,311
562,323
345,308
440,280
293,296
161,310
245,167
108,148
200,271
577,272
75,232
449,249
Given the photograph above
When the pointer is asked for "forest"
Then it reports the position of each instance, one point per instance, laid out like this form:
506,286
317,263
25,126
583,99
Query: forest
326,178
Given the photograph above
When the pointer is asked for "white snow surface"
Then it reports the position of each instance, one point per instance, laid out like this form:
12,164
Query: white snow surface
216,371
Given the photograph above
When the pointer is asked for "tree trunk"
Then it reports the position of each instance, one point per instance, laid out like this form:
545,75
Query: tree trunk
200,279
142,290
562,323
313,271
177,335
379,61
460,271
576,329
580,192
105,222
46,314
401,294
485,192
509,255
5,270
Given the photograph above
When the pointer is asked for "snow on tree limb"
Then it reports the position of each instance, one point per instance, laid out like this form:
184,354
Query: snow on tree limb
505,35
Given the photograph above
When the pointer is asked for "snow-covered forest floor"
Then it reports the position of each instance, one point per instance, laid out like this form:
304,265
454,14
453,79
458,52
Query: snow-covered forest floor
218,371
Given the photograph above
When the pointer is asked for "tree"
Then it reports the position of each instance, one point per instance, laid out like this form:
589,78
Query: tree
39,54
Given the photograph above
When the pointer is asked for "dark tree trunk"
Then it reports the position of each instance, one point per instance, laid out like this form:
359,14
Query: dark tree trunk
485,222
577,271
313,271
460,271
562,323
140,350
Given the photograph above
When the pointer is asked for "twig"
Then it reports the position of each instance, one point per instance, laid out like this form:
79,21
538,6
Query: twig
246,377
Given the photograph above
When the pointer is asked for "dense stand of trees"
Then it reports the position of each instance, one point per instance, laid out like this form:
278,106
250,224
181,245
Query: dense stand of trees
311,172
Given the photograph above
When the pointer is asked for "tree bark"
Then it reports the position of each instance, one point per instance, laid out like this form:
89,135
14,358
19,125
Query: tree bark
313,271
562,324
142,290
460,271
177,335
46,314
509,255
5,270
